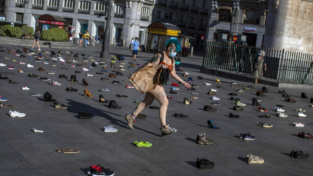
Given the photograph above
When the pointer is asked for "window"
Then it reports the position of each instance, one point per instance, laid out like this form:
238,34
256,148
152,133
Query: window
20,1
182,18
38,2
159,13
192,19
252,16
119,9
99,6
201,21
194,3
53,3
19,18
84,5
224,15
69,4
145,12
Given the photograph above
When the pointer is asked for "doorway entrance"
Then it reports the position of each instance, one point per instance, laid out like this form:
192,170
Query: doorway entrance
118,36
251,39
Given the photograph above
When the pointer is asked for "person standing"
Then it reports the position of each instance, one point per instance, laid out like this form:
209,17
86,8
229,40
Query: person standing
258,66
96,38
135,46
86,37
36,39
160,60
80,38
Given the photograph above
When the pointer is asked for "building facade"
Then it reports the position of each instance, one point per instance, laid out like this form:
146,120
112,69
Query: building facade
129,18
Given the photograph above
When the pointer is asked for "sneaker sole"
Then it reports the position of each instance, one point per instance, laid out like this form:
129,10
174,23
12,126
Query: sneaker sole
248,139
17,116
203,143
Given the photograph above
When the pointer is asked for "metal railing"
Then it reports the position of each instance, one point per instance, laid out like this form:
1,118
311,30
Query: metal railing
119,15
281,66
144,18
98,12
52,8
37,6
85,11
68,9
19,5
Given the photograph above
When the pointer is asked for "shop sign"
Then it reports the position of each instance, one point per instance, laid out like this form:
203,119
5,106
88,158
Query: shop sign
164,32
51,22
249,29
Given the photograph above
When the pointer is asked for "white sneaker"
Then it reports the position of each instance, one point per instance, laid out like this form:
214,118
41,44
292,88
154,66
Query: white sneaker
22,63
298,124
109,129
186,73
45,63
89,74
213,90
30,66
54,58
215,98
25,88
74,61
85,69
300,114
55,83
3,65
16,114
104,90
207,84
37,130
279,109
233,83
282,115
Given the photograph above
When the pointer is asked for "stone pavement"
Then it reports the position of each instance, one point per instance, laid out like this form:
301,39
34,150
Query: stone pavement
23,152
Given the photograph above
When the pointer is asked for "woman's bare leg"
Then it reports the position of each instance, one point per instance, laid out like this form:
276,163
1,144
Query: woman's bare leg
149,98
34,43
256,81
160,95
38,45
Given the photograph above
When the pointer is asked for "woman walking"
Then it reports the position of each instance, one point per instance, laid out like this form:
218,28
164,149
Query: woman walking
36,39
161,60
258,66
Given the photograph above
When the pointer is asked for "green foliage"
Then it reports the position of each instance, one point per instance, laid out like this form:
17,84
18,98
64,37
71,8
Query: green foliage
54,34
2,33
26,30
12,31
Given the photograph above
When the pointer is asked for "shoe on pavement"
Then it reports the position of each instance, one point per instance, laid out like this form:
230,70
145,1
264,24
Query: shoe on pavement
254,159
300,114
37,130
109,129
16,114
203,140
298,124
25,88
166,130
265,125
238,103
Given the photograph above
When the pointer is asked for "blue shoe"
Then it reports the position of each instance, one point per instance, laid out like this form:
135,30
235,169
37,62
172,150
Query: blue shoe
216,103
104,70
30,58
174,88
210,123
190,79
3,99
131,67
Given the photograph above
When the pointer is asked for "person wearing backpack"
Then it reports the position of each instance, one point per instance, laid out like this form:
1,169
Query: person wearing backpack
86,37
36,39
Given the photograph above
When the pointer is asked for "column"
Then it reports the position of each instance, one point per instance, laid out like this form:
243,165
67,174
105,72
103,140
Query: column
92,7
91,28
27,17
259,40
132,21
9,11
61,2
45,4
77,27
76,6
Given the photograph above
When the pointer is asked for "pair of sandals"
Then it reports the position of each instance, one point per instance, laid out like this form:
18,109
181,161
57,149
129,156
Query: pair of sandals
121,96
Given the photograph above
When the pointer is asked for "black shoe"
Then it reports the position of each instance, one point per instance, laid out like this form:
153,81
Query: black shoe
12,82
99,73
219,86
204,164
209,108
99,170
48,97
303,95
77,72
180,115
102,100
116,82
282,92
264,89
233,115
311,101
232,94
82,115
255,103
200,77
94,65
3,77
32,75
192,88
286,95
71,89
236,99
300,155
63,76
173,92
113,105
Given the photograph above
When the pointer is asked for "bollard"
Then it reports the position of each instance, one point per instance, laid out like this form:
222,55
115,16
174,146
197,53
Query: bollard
191,52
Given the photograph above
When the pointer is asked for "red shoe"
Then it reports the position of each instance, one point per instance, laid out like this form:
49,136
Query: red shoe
174,84
262,109
301,134
169,97
309,136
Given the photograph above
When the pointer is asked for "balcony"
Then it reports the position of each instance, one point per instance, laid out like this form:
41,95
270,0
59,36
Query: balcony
37,6
194,9
144,18
19,5
204,11
68,9
98,12
182,23
192,25
174,4
54,8
84,11
163,2
151,2
184,6
119,15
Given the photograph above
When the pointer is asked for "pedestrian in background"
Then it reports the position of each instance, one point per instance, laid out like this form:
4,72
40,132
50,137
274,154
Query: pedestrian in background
96,38
80,38
86,37
135,46
258,66
36,39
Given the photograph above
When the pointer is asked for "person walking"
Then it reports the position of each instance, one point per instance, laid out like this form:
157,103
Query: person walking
36,39
96,38
258,66
160,60
86,37
135,46
80,38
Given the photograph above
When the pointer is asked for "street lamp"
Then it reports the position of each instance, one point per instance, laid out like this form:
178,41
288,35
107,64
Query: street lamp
106,36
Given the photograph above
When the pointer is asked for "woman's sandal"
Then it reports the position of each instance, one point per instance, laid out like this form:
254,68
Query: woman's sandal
121,96
68,150
210,123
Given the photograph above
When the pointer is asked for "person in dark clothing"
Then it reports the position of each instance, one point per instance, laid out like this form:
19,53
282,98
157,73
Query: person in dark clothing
258,66
36,39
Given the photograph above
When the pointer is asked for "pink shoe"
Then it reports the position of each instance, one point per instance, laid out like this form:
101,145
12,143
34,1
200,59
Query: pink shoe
298,124
129,86
73,66
63,63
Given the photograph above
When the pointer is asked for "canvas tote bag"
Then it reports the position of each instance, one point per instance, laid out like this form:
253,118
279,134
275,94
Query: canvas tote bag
145,78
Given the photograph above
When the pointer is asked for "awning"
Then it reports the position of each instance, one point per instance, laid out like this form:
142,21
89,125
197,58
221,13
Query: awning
51,19
164,29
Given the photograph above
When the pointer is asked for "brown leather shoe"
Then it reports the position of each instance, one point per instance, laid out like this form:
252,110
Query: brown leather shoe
87,93
79,64
185,75
85,83
112,75
10,52
212,93
133,65
41,69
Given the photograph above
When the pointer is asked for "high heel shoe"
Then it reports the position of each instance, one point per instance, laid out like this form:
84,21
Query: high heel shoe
85,83
87,93
210,123
187,101
102,100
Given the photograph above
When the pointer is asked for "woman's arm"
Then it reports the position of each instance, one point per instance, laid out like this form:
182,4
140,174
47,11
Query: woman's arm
156,61
175,76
